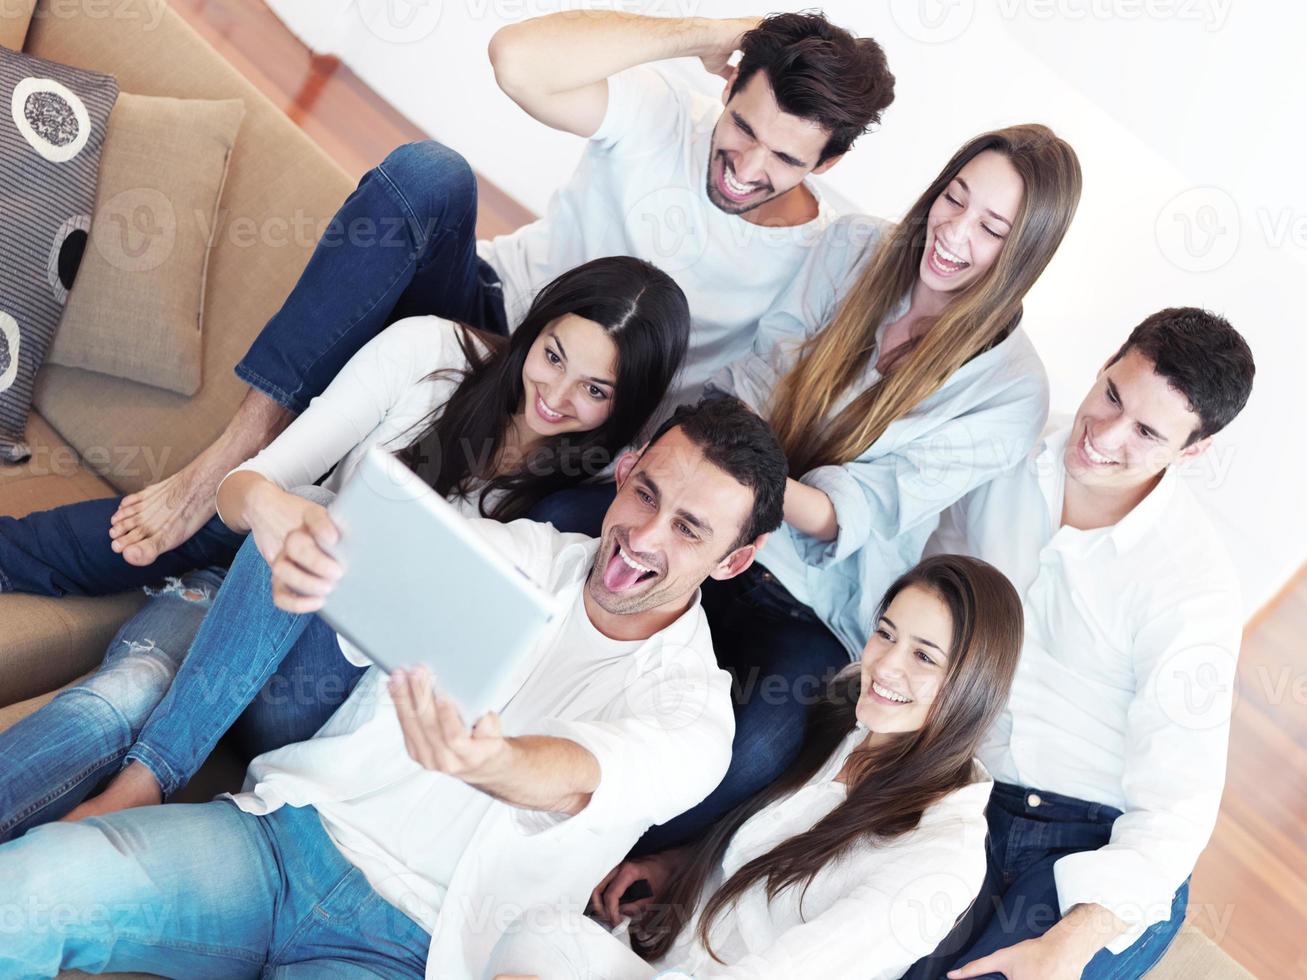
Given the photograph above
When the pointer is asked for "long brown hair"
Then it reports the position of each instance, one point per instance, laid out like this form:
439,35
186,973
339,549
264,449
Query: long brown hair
647,317
833,360
891,784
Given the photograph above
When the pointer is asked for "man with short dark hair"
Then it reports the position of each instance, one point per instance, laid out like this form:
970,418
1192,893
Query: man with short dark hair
1110,757
399,841
718,198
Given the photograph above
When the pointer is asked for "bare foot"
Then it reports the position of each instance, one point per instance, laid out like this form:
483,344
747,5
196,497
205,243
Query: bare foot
134,786
166,514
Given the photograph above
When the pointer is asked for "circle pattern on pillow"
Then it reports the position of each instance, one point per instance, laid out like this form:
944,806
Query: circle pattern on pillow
66,255
51,118
9,344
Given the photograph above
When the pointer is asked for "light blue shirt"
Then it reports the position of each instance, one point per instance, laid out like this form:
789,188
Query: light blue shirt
982,421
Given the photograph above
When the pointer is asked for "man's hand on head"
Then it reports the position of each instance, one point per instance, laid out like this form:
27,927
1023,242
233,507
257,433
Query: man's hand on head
436,736
717,59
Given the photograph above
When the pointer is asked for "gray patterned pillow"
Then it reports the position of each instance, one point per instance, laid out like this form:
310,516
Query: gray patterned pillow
52,123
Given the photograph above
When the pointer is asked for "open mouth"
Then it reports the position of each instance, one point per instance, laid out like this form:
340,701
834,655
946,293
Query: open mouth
547,413
884,693
1093,455
943,262
623,572
733,188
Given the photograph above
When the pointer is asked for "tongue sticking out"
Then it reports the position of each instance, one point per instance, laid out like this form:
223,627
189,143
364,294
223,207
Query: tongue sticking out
619,576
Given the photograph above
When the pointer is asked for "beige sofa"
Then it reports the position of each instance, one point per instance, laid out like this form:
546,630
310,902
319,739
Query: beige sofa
276,173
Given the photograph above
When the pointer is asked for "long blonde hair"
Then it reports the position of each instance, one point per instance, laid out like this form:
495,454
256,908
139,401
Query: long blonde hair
833,360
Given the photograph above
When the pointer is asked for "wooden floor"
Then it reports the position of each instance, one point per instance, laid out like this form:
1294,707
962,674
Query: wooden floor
1250,889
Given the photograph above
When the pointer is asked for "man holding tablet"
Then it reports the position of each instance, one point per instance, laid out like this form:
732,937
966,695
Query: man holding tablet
399,840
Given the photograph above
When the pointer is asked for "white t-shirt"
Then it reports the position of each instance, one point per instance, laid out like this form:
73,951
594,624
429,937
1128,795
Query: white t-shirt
655,713
640,190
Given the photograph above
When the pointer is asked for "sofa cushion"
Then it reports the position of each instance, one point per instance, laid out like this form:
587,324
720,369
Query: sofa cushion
1193,956
281,190
47,641
15,15
52,125
136,309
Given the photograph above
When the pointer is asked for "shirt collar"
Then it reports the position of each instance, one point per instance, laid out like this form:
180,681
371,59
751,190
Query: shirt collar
1050,470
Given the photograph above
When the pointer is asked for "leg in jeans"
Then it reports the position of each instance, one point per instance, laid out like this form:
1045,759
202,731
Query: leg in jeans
239,647
196,891
53,758
780,657
1020,898
580,510
66,551
403,243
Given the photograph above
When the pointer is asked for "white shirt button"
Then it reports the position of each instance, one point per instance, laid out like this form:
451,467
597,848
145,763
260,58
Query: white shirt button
1033,800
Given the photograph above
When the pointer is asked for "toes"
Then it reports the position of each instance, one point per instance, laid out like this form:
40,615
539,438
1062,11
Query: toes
142,554
128,538
121,528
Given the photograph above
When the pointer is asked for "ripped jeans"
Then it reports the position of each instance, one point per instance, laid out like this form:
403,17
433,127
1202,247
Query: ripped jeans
208,652
52,759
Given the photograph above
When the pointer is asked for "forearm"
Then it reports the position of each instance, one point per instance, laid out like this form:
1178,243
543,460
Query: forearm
1083,931
572,49
536,772
811,511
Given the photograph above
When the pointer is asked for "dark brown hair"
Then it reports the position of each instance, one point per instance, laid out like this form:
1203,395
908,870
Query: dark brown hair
647,316
1202,357
891,784
819,72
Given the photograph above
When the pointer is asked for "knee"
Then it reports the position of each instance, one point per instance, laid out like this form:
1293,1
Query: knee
430,172
133,684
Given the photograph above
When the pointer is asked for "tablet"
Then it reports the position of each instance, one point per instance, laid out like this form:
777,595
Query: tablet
422,587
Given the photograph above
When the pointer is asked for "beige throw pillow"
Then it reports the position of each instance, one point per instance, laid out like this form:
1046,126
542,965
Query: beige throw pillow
15,15
136,308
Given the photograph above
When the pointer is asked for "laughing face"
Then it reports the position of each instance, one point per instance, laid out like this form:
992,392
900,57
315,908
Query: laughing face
905,662
759,152
969,221
676,520
1131,426
568,378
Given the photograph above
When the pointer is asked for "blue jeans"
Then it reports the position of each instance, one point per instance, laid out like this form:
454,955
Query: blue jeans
52,759
232,672
780,657
1018,900
403,244
197,891
65,551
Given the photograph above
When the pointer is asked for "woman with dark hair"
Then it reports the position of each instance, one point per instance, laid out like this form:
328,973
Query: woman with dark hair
491,424
860,857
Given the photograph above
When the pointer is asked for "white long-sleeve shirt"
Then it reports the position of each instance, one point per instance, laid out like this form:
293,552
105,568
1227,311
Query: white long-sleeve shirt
655,713
380,398
868,916
982,421
1124,688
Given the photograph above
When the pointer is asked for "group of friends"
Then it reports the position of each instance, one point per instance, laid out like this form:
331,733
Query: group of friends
865,670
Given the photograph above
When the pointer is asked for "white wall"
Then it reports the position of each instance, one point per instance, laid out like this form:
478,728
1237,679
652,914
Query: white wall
1187,115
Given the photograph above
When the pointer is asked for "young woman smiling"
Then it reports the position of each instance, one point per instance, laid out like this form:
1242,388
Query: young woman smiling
491,424
859,858
897,377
